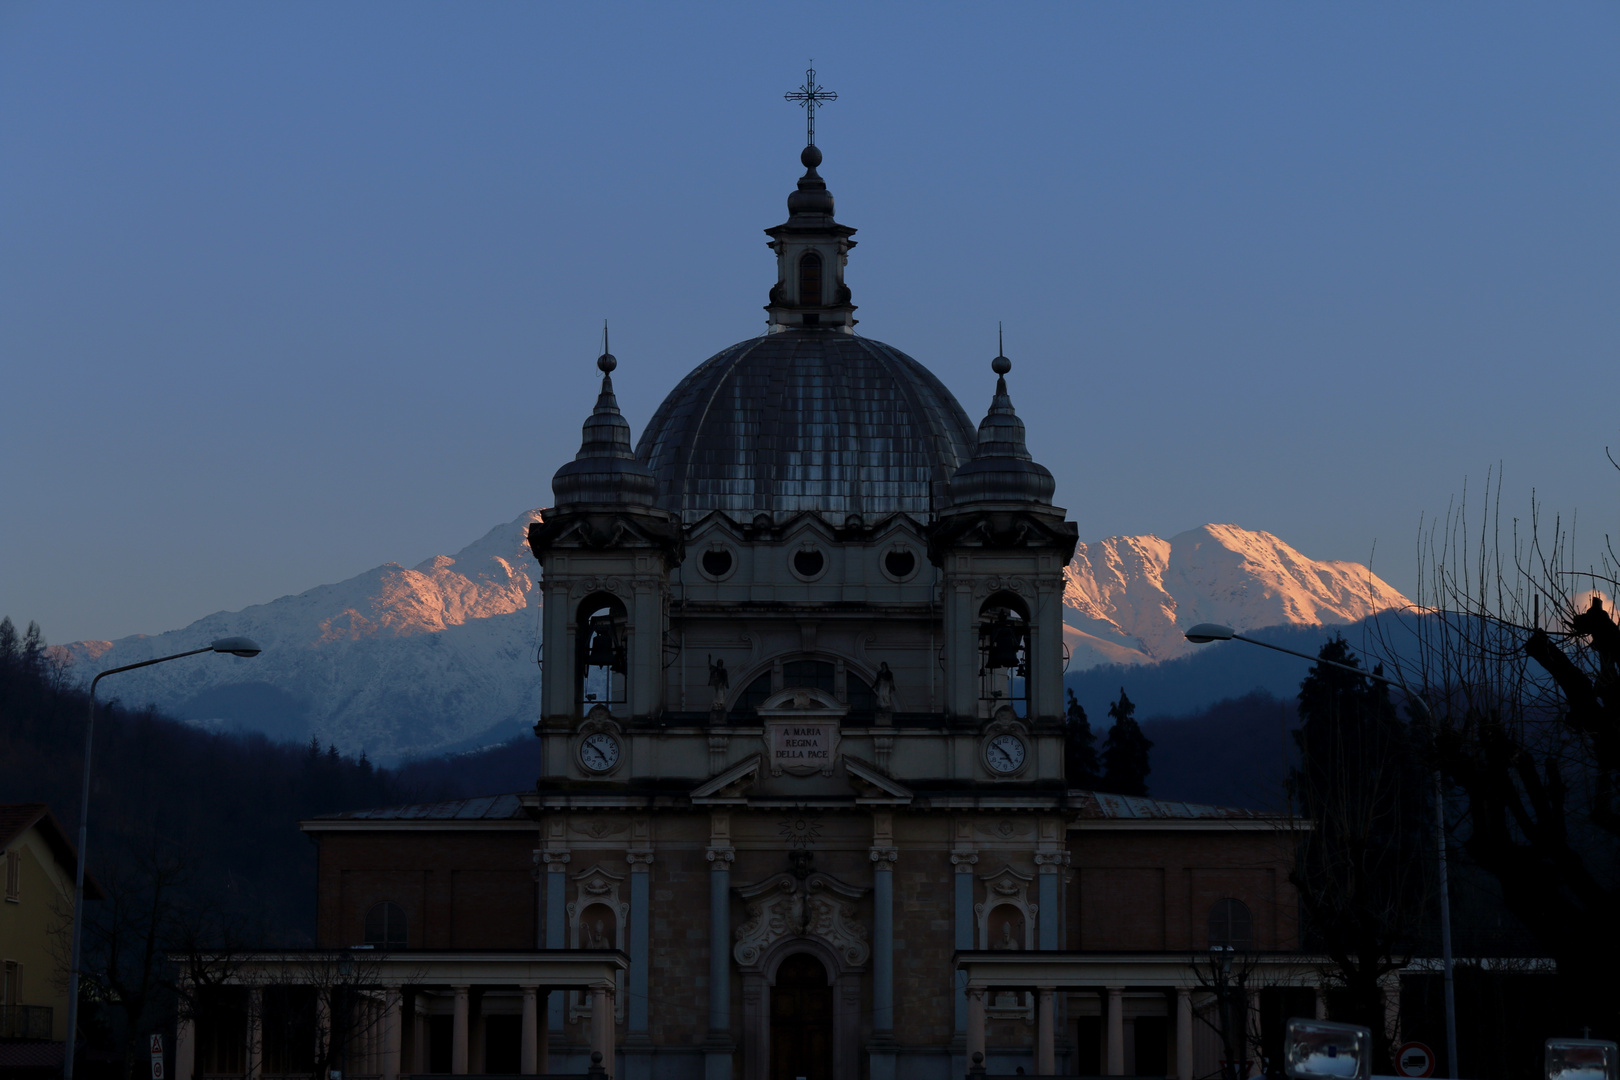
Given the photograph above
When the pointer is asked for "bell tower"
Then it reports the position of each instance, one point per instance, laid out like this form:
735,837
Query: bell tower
1002,547
605,553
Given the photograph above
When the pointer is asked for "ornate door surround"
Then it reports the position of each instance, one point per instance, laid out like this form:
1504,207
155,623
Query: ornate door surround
816,914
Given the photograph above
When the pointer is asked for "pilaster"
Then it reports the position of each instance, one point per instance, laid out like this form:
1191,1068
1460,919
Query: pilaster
718,1046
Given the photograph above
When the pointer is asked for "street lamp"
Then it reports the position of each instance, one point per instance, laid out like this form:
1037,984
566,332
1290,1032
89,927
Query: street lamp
1204,633
234,646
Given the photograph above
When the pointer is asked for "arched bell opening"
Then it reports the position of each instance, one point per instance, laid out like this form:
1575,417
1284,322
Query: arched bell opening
1004,654
600,652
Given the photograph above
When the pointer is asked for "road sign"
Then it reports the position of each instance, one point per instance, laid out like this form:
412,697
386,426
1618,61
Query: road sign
1414,1059
157,1057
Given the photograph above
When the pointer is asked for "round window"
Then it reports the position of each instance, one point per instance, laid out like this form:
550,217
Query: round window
900,564
808,563
717,563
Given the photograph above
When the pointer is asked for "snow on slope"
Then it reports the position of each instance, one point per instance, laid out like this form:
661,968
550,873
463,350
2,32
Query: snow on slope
404,662
394,661
1129,598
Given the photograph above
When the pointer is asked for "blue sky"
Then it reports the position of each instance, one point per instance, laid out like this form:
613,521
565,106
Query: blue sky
290,290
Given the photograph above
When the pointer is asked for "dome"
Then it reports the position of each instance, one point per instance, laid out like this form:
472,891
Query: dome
807,420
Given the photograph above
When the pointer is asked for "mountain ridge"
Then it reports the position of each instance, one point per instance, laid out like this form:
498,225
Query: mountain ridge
401,662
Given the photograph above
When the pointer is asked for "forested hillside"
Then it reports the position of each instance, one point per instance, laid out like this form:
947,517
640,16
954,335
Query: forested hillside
214,816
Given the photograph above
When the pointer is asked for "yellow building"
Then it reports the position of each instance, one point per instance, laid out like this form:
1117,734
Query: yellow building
39,864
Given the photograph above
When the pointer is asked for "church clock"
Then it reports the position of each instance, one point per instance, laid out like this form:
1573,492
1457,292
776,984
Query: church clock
1005,754
599,752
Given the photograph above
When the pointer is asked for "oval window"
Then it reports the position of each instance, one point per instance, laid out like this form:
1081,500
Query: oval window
900,564
808,563
717,563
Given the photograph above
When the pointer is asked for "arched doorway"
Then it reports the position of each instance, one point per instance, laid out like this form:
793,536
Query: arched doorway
802,1020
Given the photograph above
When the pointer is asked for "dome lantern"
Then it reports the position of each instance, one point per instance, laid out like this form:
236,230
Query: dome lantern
811,251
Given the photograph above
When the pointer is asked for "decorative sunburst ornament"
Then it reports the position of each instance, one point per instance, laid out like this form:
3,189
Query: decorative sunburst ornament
801,830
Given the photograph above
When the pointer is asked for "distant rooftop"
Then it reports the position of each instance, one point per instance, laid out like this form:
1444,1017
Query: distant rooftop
1102,805
484,808
495,809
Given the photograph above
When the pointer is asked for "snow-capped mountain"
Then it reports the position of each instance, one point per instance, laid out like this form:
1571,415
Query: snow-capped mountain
1129,598
396,662
405,662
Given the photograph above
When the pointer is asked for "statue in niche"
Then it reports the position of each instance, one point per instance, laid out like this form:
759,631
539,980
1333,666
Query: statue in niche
596,937
883,688
1006,941
720,683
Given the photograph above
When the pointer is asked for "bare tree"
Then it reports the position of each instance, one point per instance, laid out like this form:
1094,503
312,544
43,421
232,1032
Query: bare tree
1518,655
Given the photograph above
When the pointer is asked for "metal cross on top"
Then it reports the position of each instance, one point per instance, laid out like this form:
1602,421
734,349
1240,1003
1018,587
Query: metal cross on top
810,95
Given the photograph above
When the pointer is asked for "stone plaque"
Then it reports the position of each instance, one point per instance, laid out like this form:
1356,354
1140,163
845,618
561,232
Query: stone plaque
802,746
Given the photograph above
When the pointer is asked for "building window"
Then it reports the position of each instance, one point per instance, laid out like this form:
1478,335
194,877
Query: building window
1231,925
810,280
14,875
385,926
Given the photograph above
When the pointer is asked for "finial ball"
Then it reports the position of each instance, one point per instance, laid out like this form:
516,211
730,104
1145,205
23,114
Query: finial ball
811,157
1001,365
607,362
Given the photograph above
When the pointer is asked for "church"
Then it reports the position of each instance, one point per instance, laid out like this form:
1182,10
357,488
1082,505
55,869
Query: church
801,810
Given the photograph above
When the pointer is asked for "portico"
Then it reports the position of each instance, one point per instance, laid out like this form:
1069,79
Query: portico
374,1014
1182,980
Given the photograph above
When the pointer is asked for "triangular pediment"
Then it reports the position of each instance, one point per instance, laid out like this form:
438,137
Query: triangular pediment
730,786
873,785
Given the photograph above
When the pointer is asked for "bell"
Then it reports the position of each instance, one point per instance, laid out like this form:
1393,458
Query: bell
605,649
1005,644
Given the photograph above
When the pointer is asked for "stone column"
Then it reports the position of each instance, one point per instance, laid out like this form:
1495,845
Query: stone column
963,859
1049,865
185,1048
1321,1002
529,1053
975,1022
1115,1037
718,1046
477,1028
1045,1036
602,1025
458,1040
556,859
1184,1034
419,1034
542,1052
880,1055
255,1033
393,1032
637,1042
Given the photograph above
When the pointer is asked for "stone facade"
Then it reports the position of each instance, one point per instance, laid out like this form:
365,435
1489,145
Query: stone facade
801,802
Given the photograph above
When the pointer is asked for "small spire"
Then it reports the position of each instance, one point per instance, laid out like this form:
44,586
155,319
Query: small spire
1001,469
605,470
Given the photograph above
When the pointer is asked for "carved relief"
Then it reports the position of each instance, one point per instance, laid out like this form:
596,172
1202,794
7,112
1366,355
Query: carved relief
819,907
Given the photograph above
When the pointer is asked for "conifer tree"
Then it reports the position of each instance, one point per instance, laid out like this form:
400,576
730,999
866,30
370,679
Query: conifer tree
33,649
1125,751
8,641
1079,747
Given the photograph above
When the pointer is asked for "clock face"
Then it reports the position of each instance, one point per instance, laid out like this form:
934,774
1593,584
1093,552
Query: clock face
599,752
1005,753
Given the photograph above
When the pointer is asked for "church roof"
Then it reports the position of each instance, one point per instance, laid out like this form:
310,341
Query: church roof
807,420
487,808
1108,806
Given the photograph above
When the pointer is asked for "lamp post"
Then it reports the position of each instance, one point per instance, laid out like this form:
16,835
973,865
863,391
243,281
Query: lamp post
235,646
1204,633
